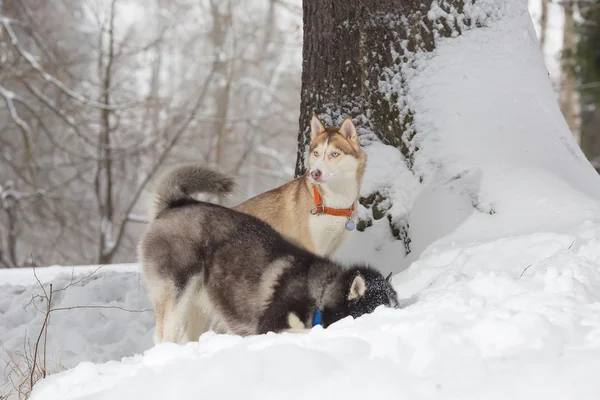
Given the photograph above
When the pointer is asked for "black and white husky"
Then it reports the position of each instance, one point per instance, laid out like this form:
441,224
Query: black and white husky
208,267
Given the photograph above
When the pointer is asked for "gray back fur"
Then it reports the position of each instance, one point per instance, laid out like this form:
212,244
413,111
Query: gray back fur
178,184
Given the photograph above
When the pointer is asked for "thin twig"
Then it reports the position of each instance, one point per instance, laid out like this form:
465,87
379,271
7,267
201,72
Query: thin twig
49,309
51,79
39,283
525,269
73,283
35,352
161,158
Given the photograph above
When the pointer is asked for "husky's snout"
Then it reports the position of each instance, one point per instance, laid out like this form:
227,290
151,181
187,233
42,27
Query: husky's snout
316,174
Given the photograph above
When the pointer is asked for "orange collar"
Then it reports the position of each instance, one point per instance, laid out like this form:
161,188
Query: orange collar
321,209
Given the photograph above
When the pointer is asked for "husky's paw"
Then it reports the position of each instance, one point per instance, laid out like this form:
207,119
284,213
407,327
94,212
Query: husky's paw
295,322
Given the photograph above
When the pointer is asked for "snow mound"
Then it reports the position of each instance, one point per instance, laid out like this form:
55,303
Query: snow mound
515,318
495,154
75,335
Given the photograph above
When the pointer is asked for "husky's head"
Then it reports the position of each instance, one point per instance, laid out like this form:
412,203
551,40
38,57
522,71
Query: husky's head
335,155
360,291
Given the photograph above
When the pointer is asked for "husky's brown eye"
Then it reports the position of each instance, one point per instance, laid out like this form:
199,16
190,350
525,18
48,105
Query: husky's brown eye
316,153
335,154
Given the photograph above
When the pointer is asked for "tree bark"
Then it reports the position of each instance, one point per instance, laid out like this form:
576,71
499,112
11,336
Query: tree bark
349,47
353,52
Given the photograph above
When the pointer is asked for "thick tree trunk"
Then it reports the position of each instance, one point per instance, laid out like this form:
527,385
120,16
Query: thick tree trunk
353,53
350,46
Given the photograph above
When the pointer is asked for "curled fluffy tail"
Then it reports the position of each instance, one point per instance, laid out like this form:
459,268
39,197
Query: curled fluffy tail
177,185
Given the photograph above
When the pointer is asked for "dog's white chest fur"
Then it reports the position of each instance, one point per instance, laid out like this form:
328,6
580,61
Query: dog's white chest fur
328,232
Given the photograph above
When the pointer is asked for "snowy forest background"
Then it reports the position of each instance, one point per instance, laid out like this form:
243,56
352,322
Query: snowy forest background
98,96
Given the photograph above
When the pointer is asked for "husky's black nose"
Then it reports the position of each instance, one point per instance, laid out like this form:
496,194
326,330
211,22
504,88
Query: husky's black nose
316,174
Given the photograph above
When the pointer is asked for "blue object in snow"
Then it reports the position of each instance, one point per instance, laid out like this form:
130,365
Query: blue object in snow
317,318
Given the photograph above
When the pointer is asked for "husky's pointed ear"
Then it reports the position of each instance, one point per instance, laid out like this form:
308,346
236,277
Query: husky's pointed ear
349,131
357,288
389,278
316,127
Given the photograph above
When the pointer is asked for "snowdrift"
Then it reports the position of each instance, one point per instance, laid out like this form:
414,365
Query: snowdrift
515,318
496,156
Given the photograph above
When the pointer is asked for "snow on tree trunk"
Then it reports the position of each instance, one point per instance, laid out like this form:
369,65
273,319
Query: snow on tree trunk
456,112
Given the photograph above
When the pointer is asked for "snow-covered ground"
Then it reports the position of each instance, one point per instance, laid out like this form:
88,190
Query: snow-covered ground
75,335
502,287
517,317
495,153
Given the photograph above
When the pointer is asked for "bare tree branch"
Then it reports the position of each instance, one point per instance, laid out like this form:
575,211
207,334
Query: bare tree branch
51,79
172,142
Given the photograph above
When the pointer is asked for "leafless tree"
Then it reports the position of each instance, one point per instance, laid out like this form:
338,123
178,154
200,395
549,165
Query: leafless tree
100,96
